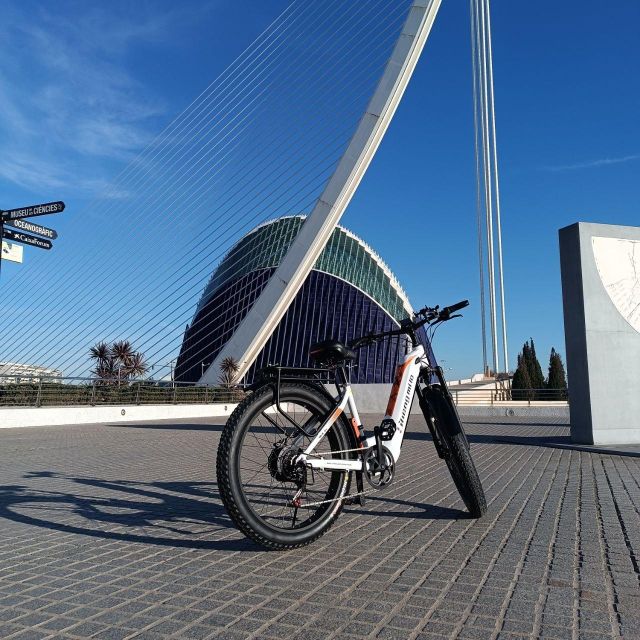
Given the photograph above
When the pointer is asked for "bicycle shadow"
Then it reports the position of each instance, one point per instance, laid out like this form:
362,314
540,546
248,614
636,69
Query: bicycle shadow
168,426
426,511
168,514
172,514
499,438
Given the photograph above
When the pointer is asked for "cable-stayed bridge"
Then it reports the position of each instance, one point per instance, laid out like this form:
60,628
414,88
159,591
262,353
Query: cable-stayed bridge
288,128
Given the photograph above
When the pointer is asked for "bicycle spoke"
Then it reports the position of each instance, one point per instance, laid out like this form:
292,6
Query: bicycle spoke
273,497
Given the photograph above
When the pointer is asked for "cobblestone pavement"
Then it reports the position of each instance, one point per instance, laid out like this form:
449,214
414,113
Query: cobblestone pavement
118,532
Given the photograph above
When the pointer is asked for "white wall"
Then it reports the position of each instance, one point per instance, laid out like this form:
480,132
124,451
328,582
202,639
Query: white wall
51,416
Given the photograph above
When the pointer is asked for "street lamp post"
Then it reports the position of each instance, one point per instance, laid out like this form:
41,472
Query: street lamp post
173,381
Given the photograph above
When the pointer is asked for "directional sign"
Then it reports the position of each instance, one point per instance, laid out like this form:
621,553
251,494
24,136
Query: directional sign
33,228
33,210
12,252
26,238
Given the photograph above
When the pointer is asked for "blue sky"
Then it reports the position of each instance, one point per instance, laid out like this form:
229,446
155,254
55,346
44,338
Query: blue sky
84,87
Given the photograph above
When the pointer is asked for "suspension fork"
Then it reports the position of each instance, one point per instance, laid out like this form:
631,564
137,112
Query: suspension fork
450,422
429,418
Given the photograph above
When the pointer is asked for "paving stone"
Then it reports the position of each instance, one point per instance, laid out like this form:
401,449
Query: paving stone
30,634
58,624
197,632
113,633
121,534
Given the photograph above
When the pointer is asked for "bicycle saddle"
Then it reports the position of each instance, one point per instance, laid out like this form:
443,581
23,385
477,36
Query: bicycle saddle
331,351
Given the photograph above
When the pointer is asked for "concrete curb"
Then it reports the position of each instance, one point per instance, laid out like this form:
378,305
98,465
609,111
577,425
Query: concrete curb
55,416
12,417
502,411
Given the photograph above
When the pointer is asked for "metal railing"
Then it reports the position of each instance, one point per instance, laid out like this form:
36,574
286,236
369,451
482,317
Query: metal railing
56,392
494,396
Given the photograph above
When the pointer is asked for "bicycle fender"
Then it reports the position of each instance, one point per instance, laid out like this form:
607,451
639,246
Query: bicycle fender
444,410
428,413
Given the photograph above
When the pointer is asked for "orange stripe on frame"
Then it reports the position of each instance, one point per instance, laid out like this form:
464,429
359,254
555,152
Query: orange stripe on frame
396,386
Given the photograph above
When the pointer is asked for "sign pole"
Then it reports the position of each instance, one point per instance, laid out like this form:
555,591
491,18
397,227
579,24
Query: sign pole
1,236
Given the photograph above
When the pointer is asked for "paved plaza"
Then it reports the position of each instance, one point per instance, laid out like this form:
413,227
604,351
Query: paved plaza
117,532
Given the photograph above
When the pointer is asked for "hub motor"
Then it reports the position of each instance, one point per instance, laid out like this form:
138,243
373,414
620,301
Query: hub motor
283,467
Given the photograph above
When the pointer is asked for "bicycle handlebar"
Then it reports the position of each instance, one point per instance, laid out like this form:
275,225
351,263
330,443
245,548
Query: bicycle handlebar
447,311
365,341
433,313
430,314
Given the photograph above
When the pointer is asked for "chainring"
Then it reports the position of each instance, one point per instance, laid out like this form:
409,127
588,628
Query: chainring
379,478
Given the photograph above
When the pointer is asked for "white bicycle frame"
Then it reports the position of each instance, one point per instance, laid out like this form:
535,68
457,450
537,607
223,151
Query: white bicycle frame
398,409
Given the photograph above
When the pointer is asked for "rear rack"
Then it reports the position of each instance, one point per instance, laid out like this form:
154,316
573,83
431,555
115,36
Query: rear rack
294,373
278,374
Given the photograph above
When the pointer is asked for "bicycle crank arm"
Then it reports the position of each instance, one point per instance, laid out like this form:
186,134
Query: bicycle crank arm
333,464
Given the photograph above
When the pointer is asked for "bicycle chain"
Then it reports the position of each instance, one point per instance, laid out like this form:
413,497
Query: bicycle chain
319,502
351,495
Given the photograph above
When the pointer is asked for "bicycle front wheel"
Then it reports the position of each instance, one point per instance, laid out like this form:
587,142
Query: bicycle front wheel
271,499
456,453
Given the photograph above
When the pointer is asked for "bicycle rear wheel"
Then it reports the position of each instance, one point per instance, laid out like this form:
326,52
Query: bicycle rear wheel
455,450
272,500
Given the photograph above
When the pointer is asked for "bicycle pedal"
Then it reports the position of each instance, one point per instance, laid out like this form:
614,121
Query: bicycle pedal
387,429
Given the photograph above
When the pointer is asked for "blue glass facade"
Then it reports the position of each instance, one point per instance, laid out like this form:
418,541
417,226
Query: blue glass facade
327,306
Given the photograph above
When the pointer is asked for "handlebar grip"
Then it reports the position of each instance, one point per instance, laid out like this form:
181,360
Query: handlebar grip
455,307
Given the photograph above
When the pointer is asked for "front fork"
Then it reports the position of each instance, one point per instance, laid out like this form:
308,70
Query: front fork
430,419
446,414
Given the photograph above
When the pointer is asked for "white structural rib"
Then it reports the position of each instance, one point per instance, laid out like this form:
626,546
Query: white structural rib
258,325
505,354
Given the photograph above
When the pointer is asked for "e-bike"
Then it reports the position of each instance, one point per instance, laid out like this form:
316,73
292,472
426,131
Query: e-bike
289,451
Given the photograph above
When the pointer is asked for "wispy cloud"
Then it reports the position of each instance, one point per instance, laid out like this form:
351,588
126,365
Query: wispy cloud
593,164
70,106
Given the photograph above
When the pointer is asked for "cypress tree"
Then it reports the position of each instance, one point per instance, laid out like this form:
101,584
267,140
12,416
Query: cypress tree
521,383
557,380
535,370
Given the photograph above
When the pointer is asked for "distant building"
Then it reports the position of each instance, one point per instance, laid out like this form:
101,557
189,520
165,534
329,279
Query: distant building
18,373
349,292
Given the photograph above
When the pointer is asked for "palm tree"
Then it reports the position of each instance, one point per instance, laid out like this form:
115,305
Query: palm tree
137,366
228,369
105,372
101,355
121,353
118,360
100,352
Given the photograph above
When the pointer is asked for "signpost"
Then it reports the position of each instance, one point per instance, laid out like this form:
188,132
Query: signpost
32,211
15,218
26,238
33,228
12,252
